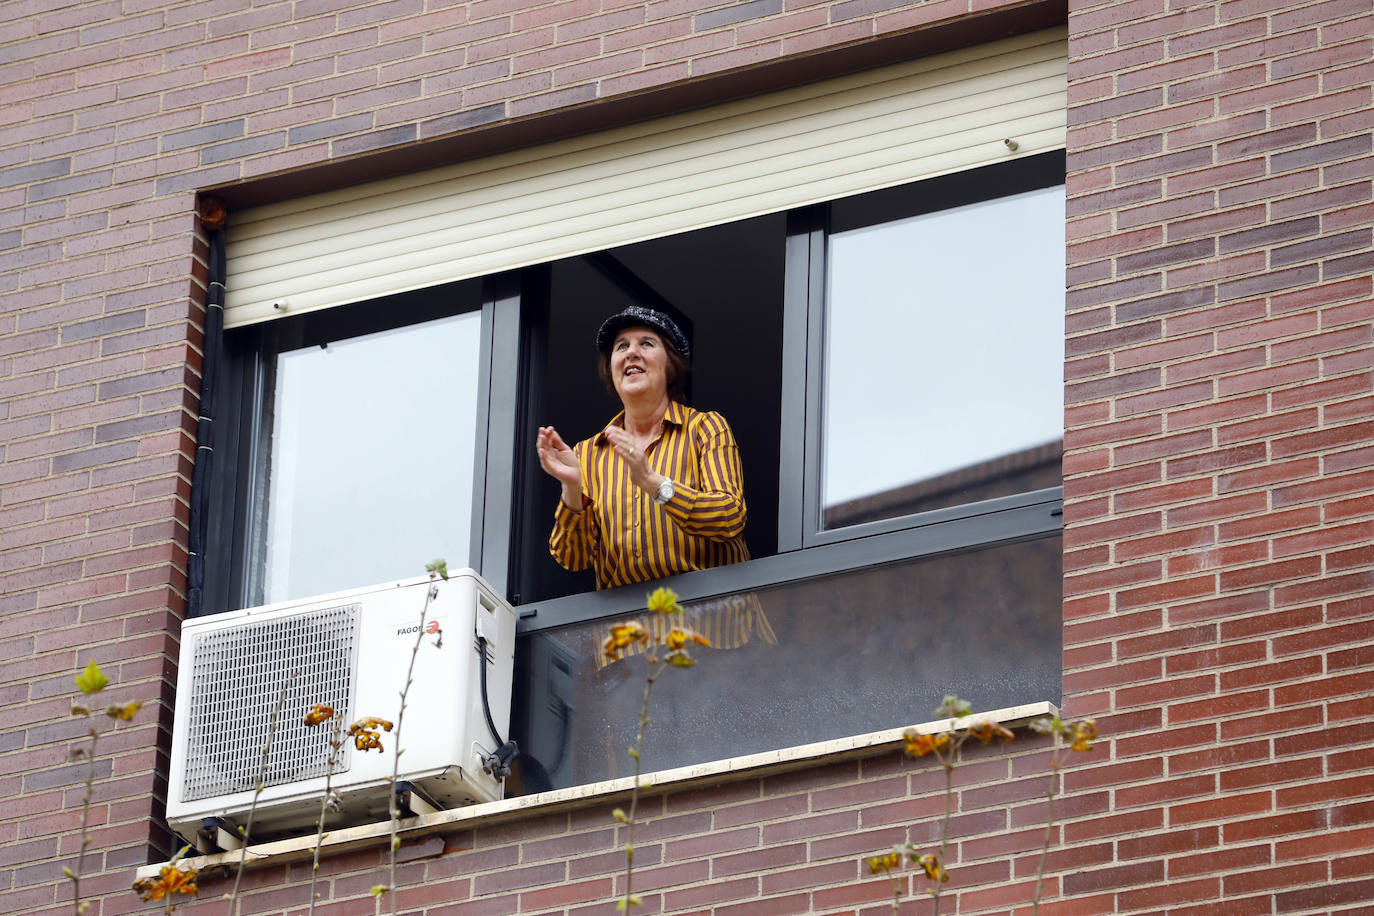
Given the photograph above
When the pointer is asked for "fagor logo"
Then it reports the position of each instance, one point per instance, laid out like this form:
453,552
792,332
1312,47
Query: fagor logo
431,628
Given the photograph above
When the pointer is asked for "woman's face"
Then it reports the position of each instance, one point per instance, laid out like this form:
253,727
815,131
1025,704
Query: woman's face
639,365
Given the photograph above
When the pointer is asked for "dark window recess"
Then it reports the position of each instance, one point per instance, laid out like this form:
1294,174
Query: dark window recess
724,285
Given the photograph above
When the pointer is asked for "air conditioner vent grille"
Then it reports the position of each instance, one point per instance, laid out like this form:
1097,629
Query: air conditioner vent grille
239,674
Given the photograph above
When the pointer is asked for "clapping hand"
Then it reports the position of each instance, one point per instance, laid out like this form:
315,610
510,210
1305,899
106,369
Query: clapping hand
559,461
641,474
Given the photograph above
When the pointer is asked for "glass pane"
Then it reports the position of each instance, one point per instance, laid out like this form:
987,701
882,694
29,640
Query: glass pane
851,653
944,358
370,475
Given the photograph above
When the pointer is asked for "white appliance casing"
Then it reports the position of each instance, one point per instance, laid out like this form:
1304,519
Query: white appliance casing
351,650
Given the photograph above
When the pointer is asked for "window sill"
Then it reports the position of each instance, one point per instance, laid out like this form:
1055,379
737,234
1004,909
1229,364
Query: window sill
792,758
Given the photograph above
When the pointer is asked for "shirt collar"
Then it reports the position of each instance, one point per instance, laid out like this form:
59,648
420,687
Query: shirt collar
676,415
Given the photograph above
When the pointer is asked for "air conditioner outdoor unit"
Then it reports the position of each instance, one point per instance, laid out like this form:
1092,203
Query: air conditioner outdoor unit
349,650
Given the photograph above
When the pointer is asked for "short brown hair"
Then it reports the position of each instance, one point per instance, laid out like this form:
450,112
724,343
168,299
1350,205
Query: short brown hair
678,369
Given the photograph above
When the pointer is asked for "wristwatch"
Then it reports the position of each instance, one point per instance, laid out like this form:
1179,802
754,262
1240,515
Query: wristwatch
665,491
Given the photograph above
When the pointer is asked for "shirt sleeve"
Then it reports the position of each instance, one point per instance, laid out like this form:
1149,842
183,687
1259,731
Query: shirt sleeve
573,539
715,509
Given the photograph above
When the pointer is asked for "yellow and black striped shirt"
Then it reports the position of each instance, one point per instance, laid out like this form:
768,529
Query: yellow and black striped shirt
627,536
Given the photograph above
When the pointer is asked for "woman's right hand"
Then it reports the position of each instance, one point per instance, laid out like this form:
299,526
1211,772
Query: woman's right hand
560,462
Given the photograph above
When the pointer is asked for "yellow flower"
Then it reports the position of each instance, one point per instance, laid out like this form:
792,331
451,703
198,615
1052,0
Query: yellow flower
318,713
371,723
886,862
364,733
124,712
664,601
622,635
1084,733
986,731
919,745
679,638
170,880
367,741
930,864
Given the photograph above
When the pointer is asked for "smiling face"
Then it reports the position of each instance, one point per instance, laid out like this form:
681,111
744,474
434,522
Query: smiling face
639,365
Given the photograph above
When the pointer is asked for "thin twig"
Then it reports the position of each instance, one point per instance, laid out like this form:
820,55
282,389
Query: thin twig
940,869
77,907
1049,825
392,808
653,674
335,743
247,832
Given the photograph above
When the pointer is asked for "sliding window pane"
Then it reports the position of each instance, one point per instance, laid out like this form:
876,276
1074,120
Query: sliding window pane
944,358
370,474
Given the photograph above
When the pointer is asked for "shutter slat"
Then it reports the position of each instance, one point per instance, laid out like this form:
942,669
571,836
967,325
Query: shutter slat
788,149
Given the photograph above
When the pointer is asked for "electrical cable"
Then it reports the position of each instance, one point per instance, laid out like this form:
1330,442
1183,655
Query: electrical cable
498,762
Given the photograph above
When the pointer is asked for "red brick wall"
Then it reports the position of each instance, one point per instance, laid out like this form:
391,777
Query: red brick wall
1219,593
1218,491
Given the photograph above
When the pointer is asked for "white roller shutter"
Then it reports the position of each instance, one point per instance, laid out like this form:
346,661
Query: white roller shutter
760,155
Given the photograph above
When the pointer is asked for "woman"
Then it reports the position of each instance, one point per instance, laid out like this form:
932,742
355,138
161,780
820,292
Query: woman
660,490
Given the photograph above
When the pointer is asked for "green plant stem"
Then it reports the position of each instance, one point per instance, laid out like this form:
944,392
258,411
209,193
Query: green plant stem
1049,826
649,679
77,908
335,744
941,870
392,808
247,831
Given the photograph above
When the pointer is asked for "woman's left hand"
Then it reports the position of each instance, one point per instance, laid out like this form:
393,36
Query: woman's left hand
641,474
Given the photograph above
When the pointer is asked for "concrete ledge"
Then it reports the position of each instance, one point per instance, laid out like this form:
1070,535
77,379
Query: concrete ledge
792,758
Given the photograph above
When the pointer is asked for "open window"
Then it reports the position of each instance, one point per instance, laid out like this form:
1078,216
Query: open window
872,279
916,334
890,364
724,287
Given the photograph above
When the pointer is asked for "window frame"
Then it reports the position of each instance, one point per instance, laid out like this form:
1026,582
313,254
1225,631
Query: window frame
1030,173
806,549
513,335
232,579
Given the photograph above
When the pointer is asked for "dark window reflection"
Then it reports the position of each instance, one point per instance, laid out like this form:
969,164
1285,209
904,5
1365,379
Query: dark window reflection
816,659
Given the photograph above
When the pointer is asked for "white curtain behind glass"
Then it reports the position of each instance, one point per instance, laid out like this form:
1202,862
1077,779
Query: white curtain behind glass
371,458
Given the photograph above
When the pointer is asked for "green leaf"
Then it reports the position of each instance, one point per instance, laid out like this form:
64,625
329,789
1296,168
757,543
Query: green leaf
91,680
438,567
953,708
